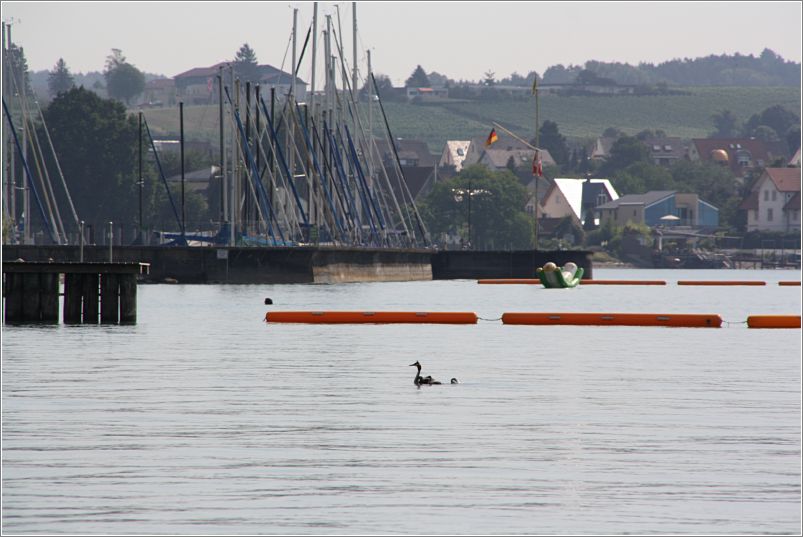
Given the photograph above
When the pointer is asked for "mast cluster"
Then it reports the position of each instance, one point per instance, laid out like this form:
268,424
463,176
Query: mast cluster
309,170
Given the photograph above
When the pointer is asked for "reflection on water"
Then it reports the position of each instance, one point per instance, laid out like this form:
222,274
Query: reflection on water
204,419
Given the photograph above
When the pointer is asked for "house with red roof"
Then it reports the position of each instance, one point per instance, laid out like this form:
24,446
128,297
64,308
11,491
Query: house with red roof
199,85
773,203
740,155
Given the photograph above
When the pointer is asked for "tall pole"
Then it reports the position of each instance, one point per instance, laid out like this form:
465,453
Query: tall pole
223,201
311,98
354,51
141,182
181,145
537,157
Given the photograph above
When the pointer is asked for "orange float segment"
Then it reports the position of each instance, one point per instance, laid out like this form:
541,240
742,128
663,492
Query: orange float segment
773,321
371,317
789,283
620,319
622,282
502,281
721,282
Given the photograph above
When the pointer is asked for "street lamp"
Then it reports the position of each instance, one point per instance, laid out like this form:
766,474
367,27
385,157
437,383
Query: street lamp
468,193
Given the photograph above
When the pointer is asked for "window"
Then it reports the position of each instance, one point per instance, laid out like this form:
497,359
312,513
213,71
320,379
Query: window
460,152
667,148
769,215
774,195
766,195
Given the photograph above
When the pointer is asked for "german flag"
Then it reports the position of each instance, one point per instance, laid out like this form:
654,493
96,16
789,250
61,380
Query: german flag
491,138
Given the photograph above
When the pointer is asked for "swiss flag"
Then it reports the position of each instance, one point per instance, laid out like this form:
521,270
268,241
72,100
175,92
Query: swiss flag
537,169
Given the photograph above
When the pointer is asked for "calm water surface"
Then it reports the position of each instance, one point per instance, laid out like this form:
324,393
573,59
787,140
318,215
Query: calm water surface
204,419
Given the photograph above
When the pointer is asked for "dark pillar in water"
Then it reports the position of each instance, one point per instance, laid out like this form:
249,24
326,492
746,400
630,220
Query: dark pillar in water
128,298
73,289
30,297
49,297
89,290
109,303
13,291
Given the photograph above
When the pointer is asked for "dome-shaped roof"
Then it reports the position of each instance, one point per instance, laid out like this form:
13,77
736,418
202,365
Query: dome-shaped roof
719,155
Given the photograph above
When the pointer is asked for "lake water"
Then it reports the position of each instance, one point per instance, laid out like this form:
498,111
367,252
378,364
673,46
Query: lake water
203,419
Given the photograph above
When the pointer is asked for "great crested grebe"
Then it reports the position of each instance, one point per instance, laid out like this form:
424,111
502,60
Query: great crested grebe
428,380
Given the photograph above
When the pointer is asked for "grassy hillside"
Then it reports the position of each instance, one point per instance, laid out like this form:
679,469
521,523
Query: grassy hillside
686,116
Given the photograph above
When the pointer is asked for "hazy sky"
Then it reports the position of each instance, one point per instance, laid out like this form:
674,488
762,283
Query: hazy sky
462,40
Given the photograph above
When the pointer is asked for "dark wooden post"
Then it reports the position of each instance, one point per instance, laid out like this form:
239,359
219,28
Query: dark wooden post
90,293
73,284
49,297
30,298
109,303
13,290
128,298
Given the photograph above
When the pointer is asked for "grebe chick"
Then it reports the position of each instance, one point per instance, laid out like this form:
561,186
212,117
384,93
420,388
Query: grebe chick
419,380
455,381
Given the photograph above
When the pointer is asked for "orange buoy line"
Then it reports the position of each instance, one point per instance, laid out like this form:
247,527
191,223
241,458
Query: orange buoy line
721,282
620,319
622,282
789,283
371,317
773,321
511,281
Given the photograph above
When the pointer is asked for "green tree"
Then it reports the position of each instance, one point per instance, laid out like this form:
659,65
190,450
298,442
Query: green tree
726,124
624,152
488,78
123,80
59,79
245,62
775,117
418,79
553,141
96,145
20,78
498,219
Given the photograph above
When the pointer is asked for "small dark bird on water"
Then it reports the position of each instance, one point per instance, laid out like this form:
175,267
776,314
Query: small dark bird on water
428,380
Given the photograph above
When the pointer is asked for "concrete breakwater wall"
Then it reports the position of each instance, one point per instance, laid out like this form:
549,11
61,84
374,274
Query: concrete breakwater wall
248,265
307,264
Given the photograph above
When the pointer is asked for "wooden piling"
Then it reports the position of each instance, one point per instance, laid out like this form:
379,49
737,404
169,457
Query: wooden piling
89,290
49,297
109,299
31,292
13,292
73,291
128,299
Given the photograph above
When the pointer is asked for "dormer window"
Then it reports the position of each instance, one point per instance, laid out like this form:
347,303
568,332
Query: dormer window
656,148
667,148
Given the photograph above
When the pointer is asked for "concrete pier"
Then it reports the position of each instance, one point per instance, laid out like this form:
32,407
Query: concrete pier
93,292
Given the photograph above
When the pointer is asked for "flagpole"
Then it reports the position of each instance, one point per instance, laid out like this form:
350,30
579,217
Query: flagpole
537,157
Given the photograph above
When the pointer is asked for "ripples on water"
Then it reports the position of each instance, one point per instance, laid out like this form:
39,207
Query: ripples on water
204,419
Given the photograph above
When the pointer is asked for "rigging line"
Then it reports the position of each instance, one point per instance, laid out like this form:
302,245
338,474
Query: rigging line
254,174
398,161
47,187
58,166
28,173
321,177
162,175
328,167
283,162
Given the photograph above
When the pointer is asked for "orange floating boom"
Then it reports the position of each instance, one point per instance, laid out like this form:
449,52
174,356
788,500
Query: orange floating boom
511,281
722,282
616,319
773,321
622,282
371,317
789,283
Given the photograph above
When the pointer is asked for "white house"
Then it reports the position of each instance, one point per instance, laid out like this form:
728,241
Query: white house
454,153
774,201
572,197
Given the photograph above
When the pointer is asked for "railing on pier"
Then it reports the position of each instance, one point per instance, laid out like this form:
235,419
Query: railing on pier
93,292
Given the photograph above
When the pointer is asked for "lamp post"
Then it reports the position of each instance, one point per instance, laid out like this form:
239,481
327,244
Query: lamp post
467,193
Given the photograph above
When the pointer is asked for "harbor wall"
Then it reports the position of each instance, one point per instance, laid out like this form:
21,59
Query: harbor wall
251,265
